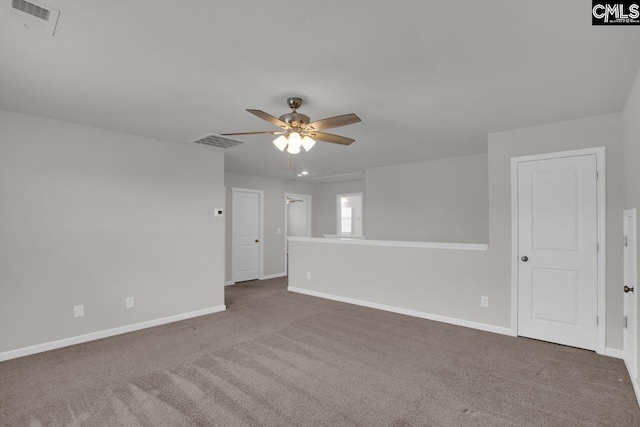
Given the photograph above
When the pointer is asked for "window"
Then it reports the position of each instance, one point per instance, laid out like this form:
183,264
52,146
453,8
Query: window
349,218
346,220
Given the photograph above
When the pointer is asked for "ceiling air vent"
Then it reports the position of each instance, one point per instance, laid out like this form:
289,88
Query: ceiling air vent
217,141
35,15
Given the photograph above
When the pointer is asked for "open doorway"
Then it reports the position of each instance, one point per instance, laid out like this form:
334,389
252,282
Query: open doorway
349,215
297,220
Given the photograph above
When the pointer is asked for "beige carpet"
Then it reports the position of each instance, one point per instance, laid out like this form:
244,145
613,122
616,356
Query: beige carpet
276,358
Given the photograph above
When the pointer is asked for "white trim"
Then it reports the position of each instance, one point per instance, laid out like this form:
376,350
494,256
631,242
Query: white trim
614,352
634,382
229,283
273,276
630,213
339,211
337,236
260,193
344,240
451,320
515,243
602,235
286,223
39,348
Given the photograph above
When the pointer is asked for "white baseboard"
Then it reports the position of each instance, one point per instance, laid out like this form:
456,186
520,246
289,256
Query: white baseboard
229,283
634,382
273,276
614,352
39,348
414,313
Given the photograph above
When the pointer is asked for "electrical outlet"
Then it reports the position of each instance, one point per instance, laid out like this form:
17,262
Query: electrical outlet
218,212
308,275
279,231
78,310
129,302
484,301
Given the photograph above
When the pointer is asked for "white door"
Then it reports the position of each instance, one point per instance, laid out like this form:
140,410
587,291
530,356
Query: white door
246,233
557,243
630,290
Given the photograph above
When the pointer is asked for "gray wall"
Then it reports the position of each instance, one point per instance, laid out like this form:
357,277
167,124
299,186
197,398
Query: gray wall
596,131
631,130
443,200
324,205
444,282
89,216
274,211
450,282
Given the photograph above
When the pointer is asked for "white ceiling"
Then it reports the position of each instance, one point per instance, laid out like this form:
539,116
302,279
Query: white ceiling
429,79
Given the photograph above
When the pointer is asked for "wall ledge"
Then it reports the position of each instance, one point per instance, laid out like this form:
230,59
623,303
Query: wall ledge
396,244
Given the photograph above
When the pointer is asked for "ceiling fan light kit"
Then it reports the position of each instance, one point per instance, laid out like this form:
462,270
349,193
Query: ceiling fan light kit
281,142
299,131
308,143
295,142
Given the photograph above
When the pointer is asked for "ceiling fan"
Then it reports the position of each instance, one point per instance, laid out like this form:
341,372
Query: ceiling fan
297,130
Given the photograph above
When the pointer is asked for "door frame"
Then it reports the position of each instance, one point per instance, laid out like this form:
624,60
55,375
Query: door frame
260,194
339,214
309,199
601,213
633,369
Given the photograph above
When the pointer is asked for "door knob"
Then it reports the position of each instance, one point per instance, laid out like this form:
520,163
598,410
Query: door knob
257,240
627,289
525,258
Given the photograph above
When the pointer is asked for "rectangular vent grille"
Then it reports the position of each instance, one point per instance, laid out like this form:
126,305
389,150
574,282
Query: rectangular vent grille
31,9
217,141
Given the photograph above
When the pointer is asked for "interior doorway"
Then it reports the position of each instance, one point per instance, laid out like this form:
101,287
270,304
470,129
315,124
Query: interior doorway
297,220
558,248
349,214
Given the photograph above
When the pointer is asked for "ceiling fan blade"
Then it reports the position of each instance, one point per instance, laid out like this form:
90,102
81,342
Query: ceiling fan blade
327,137
334,122
274,132
269,118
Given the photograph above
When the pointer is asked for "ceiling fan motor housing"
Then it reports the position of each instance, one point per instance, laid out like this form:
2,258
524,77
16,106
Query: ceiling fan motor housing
295,120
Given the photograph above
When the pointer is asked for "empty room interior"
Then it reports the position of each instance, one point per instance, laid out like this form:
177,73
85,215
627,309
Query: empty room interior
338,213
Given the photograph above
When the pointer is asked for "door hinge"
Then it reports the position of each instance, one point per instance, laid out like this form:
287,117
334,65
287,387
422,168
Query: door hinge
624,241
624,321
597,320
597,175
598,247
